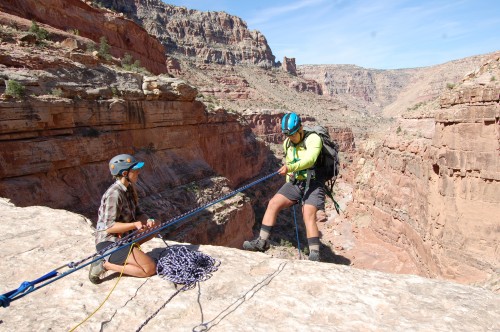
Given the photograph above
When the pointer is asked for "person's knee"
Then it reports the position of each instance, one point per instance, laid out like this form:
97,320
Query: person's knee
149,270
278,203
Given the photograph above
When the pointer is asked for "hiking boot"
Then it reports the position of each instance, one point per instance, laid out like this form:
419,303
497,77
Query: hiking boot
256,245
96,270
314,256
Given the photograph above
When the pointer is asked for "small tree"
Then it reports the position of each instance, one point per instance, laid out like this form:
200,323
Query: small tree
104,48
14,89
127,60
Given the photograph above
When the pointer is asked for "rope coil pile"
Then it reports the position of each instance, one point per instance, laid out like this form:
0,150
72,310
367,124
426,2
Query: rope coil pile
183,266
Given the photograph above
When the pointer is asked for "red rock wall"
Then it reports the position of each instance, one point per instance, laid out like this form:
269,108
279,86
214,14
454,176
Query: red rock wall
55,151
266,124
440,199
212,37
123,35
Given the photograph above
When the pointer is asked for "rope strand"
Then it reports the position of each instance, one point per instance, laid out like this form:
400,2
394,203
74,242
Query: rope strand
7,298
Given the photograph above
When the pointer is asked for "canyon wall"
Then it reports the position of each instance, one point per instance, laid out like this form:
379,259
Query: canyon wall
75,112
439,196
390,92
212,37
83,20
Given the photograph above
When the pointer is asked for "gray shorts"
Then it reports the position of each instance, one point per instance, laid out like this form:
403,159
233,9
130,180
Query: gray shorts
315,195
118,257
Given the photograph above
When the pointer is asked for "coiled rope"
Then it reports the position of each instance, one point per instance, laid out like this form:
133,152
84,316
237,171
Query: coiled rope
185,267
28,287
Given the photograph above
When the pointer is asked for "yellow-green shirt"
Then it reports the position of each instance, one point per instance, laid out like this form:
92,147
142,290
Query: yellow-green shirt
302,156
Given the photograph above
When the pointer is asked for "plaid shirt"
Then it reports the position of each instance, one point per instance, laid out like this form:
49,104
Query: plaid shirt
117,205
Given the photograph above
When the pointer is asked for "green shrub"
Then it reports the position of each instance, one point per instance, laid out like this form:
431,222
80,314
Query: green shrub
56,92
76,32
493,79
450,85
14,89
40,33
128,63
90,47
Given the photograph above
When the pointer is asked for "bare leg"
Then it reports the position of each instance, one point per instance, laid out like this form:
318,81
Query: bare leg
276,204
309,214
138,265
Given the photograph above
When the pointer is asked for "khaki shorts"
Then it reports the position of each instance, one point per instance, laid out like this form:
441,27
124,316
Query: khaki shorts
315,194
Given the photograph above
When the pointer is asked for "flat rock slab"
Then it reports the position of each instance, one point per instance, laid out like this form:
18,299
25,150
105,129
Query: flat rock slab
248,292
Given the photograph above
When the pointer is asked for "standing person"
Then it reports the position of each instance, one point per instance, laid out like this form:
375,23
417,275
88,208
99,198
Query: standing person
119,215
301,151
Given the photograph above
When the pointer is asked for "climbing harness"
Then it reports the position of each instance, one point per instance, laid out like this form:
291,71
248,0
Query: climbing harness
28,287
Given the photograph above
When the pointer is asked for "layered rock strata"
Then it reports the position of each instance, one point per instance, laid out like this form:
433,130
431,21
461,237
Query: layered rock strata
58,136
212,37
440,198
81,19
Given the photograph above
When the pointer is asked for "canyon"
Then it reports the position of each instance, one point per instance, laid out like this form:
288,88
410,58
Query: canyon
420,179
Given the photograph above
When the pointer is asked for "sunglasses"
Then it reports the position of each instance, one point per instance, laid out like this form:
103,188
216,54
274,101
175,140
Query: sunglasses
288,134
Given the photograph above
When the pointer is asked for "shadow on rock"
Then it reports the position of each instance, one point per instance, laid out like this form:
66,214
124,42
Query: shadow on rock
328,256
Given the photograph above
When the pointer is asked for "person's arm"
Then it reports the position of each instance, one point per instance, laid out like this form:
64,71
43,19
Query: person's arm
307,157
112,207
123,227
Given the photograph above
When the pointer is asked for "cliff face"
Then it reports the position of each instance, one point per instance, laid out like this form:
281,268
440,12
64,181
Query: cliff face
76,16
439,197
213,37
389,92
361,88
76,113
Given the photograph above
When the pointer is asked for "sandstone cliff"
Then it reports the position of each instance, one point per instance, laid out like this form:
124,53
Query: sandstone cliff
389,92
212,37
436,192
248,292
77,111
81,19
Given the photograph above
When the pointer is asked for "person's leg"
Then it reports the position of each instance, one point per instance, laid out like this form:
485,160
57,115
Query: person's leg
314,199
275,205
309,215
138,265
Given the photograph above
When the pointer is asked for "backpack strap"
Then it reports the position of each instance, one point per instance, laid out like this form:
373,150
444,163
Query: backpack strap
311,172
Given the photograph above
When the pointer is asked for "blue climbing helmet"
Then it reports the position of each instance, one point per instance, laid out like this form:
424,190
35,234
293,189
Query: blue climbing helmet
290,124
123,162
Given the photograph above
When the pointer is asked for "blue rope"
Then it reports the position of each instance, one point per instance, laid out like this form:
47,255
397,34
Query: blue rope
296,230
29,287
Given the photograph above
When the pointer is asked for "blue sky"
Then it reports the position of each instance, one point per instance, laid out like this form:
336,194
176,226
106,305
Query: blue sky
381,34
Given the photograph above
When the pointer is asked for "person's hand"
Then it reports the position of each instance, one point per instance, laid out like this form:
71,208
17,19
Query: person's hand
138,225
283,170
152,223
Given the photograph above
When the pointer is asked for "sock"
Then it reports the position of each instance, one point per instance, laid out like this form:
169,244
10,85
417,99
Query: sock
265,231
313,243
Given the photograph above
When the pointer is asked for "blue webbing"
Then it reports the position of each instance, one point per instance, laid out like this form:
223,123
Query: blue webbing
28,287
